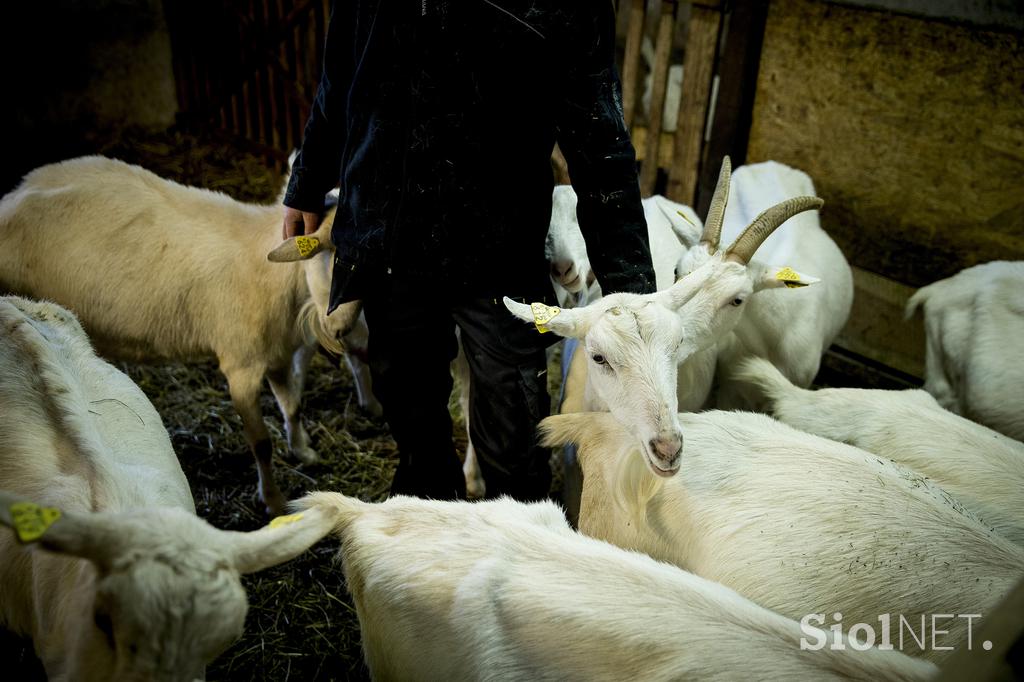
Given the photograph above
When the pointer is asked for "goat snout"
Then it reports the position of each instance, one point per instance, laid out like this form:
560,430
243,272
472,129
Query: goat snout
565,272
666,450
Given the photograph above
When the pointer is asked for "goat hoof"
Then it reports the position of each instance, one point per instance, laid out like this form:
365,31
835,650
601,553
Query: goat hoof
273,504
475,490
306,455
373,409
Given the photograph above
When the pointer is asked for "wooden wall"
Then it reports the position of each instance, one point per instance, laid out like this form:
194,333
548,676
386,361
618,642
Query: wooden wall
913,130
249,67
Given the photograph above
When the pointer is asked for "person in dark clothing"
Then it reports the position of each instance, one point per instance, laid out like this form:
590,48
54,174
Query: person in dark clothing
437,119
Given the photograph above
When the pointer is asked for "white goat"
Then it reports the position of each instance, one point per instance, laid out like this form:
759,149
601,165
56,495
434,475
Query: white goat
637,346
507,591
156,270
792,328
974,323
796,523
132,586
571,275
575,284
982,468
566,251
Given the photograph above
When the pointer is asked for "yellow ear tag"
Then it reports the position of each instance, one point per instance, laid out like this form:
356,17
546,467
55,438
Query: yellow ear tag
306,245
284,520
683,216
542,314
789,276
31,521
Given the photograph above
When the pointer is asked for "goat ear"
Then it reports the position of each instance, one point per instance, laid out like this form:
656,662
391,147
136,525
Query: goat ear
685,288
570,323
305,247
684,222
773,277
285,538
74,534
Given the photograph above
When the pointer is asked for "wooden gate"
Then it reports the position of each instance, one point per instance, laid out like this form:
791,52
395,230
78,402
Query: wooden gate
716,43
249,67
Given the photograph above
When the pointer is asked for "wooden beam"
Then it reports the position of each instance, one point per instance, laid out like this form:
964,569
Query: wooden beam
876,328
659,80
631,60
737,79
698,74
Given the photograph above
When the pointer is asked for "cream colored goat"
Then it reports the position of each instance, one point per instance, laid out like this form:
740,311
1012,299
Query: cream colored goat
501,590
159,271
983,468
126,584
796,523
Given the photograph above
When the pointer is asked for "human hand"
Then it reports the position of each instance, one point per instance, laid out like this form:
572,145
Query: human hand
298,222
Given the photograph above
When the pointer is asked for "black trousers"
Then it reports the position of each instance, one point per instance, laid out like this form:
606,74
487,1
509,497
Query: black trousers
412,343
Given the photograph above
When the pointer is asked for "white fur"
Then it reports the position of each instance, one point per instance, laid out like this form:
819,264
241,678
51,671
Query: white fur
982,468
973,364
507,591
794,522
76,434
571,275
156,270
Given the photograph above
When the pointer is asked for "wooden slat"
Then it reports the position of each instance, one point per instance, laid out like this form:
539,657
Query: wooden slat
659,78
177,63
287,106
737,75
698,74
274,87
876,328
621,19
631,60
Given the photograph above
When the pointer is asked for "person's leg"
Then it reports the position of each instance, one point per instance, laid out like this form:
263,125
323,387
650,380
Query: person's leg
508,397
411,346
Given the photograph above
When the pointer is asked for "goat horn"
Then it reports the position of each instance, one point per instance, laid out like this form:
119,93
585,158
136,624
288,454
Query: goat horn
712,233
767,222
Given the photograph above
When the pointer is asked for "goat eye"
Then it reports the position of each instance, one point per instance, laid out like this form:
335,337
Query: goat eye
599,359
737,301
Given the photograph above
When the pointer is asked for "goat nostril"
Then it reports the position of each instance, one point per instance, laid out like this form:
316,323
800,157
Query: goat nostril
561,270
666,449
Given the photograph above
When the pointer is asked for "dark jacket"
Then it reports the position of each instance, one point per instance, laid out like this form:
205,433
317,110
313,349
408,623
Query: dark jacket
438,118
